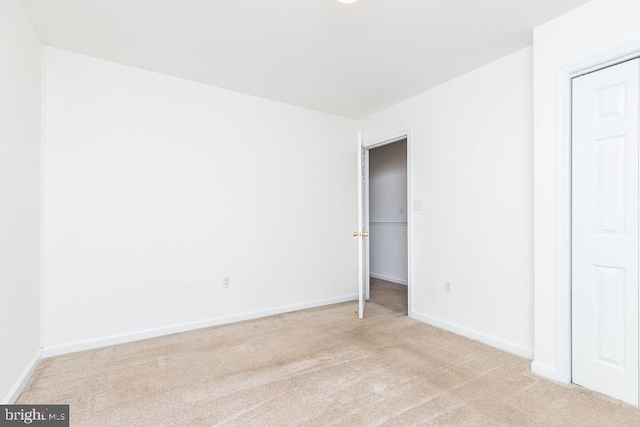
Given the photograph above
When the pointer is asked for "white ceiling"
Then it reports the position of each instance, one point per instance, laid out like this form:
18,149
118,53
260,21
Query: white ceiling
345,59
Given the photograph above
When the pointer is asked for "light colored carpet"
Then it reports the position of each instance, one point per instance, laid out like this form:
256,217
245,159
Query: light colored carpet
389,295
314,368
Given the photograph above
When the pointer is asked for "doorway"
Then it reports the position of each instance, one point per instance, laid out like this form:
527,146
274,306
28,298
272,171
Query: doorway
605,221
386,220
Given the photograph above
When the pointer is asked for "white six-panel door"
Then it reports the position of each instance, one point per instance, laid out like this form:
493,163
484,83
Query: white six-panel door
605,231
363,256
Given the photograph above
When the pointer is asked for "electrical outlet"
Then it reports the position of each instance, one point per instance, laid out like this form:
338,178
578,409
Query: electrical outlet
226,282
447,287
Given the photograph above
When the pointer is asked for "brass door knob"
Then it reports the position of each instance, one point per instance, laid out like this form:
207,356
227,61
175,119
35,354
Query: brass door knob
365,234
356,234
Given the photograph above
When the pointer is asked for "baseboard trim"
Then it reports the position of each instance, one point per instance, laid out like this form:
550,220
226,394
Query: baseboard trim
389,279
484,338
19,386
546,371
57,350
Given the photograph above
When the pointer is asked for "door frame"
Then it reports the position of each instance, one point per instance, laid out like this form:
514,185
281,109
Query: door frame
563,273
370,144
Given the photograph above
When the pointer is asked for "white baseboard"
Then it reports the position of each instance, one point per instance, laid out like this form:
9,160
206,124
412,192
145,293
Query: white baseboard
484,338
388,279
546,371
56,350
17,388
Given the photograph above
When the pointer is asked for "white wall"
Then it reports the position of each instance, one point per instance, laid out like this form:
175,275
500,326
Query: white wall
471,165
387,223
157,188
20,77
597,27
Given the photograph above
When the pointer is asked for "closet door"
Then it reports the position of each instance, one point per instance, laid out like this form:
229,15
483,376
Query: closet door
605,231
362,234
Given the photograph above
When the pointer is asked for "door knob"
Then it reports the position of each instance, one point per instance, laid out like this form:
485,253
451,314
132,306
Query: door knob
365,234
356,234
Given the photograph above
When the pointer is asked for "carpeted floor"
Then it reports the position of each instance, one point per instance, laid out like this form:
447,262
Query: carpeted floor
314,368
389,295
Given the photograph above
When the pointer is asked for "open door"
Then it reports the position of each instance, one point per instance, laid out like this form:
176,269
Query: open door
367,241
361,234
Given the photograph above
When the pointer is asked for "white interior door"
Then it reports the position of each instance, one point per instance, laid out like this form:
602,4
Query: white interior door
361,234
367,241
605,231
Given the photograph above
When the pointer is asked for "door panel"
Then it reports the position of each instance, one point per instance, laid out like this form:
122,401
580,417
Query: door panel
605,231
362,247
367,227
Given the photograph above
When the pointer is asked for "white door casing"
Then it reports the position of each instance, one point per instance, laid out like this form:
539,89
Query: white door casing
605,231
